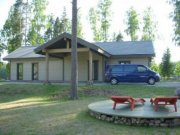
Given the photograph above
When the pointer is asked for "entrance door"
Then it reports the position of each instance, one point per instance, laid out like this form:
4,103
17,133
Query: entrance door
94,70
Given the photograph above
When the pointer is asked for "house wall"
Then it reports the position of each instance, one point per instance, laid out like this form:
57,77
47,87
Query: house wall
56,68
83,58
133,60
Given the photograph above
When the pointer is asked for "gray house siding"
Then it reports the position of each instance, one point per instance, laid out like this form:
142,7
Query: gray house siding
133,60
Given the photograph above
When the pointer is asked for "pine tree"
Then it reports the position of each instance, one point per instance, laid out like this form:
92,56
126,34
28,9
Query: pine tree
74,65
117,37
166,66
132,24
49,31
57,27
65,22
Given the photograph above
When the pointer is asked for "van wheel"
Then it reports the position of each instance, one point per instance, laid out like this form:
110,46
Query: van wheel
151,81
114,81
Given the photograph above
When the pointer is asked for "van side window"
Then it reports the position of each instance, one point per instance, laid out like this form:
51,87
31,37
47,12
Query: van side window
141,69
117,68
129,68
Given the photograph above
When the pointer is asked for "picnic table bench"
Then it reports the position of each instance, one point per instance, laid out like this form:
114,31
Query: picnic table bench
162,100
126,100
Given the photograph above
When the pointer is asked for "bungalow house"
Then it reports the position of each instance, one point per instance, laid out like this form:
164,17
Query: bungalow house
52,60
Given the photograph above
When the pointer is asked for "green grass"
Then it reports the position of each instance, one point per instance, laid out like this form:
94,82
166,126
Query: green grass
46,110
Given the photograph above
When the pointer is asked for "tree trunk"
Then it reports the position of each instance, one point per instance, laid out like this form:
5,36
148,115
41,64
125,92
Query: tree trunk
74,66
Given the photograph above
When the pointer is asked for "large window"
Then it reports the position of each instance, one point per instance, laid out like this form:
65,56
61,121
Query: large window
34,71
19,71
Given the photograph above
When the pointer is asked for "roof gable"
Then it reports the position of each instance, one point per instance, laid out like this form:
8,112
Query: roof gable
68,36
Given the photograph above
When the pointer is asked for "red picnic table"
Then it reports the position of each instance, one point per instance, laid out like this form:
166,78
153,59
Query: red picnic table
163,100
126,100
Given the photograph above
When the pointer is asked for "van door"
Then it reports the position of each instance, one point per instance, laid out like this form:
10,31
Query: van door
117,72
130,73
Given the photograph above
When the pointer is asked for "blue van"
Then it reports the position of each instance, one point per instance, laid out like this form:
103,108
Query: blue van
130,73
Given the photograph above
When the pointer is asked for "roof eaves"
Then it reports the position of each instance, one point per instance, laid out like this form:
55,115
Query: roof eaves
133,55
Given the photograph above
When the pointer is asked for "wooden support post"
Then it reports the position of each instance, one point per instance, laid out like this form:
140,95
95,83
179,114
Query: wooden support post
90,67
47,67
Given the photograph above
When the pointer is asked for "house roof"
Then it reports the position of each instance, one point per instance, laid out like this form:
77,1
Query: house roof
23,52
128,48
124,48
54,44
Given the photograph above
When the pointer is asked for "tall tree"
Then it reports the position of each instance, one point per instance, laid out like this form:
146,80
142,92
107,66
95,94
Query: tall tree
57,28
62,25
104,16
176,19
101,17
49,26
104,13
37,29
79,25
132,24
74,65
117,37
177,69
65,22
93,18
166,65
12,29
149,28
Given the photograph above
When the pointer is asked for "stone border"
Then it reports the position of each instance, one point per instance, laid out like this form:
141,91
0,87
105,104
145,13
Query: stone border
160,122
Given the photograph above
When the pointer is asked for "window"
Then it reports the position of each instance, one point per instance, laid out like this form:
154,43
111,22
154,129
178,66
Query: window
34,71
141,69
19,71
125,62
117,68
130,68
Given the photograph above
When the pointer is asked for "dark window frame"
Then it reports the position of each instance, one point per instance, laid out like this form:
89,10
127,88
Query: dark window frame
124,62
19,72
33,73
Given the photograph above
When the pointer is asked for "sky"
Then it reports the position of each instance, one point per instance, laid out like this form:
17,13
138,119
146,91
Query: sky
161,14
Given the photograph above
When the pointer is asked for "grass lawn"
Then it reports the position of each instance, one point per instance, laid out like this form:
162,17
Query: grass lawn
45,110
